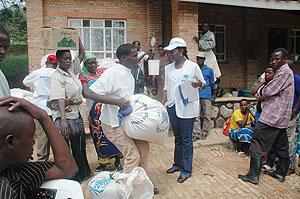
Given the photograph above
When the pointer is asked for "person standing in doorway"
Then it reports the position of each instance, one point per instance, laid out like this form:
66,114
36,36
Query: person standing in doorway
206,44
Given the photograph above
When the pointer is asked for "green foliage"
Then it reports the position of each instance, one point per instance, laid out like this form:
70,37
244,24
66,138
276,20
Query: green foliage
15,68
15,64
13,19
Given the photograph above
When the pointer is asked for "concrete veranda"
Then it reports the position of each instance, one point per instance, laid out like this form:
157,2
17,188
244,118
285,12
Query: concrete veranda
215,171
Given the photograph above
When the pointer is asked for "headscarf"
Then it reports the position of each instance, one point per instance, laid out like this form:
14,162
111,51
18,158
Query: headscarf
87,56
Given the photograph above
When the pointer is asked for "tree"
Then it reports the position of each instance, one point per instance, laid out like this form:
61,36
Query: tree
13,19
8,3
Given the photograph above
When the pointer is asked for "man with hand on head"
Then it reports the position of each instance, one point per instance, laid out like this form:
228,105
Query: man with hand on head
18,177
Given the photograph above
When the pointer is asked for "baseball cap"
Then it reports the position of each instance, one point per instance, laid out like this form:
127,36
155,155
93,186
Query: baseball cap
201,54
52,59
175,43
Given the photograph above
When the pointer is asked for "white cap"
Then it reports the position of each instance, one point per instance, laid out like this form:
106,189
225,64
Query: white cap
175,43
201,54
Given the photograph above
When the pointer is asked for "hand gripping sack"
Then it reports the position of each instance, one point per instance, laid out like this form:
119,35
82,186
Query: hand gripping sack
149,120
108,185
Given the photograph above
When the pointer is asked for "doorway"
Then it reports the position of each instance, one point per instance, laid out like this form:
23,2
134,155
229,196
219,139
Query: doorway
277,38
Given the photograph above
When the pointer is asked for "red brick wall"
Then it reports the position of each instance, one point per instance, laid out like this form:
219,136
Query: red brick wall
244,26
188,27
34,12
142,18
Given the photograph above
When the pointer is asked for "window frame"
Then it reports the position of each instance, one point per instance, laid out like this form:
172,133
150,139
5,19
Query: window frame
90,27
294,44
225,41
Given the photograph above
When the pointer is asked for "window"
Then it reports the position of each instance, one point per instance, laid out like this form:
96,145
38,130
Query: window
101,37
220,37
295,43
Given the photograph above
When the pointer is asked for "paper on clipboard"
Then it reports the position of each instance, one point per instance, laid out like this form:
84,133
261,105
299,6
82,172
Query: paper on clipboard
189,93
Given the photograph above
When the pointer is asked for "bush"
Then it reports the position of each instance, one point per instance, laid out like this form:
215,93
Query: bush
15,68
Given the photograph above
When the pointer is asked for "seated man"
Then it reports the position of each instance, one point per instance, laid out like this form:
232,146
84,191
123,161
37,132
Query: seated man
18,177
241,131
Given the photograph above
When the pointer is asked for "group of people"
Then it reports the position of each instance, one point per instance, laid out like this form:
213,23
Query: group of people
58,90
184,87
270,133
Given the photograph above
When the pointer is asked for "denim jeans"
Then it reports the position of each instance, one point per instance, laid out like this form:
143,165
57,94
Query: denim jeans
183,131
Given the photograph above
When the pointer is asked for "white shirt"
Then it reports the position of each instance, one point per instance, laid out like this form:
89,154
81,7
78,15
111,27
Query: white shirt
143,60
117,82
4,87
173,79
40,79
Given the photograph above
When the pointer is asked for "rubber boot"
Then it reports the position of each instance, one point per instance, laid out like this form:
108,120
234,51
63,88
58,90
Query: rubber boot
281,169
255,168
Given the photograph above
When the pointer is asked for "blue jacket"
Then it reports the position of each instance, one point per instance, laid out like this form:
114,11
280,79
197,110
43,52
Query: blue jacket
208,75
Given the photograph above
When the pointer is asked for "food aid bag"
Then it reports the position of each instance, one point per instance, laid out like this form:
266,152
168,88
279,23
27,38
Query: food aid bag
149,120
116,185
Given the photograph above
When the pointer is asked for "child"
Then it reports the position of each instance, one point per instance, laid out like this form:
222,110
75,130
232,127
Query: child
269,74
4,45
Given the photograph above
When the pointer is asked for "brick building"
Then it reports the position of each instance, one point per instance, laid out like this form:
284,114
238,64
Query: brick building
246,30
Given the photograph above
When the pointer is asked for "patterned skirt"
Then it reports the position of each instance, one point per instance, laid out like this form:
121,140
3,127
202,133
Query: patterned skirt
241,134
104,148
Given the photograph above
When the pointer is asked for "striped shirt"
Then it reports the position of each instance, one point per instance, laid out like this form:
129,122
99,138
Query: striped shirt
277,108
22,181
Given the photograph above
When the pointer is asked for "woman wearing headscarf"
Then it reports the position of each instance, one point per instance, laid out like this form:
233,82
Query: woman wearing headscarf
66,86
104,148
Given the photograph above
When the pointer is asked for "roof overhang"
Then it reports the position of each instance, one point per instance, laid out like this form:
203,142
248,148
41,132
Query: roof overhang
266,4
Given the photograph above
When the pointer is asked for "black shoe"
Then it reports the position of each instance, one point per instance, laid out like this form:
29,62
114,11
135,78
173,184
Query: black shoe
156,191
181,178
275,175
255,168
281,169
249,178
172,170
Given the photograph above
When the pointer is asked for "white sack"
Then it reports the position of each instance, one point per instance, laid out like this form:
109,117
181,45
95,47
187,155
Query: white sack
108,185
149,120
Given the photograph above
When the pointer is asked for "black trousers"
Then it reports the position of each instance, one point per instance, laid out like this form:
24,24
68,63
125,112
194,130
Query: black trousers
265,138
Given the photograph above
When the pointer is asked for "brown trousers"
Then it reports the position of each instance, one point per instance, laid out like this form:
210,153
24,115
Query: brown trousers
135,152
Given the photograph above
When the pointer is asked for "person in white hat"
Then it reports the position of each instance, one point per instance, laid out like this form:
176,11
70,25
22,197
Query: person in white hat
205,96
182,104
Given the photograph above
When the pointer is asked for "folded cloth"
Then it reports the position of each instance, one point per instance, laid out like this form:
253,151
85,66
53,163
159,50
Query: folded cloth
123,112
184,100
